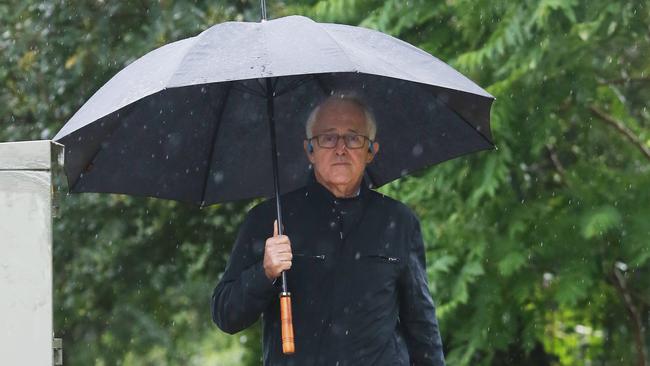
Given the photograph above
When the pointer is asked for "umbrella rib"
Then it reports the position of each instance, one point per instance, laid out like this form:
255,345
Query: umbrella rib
195,40
126,109
293,86
249,90
338,44
275,84
370,178
322,85
215,134
262,87
474,128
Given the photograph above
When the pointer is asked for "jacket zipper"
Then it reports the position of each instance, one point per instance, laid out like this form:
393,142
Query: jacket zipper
384,257
319,257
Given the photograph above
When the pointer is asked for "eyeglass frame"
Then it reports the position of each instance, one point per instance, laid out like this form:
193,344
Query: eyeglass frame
338,137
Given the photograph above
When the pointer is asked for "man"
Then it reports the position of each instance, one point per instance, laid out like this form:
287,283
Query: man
356,260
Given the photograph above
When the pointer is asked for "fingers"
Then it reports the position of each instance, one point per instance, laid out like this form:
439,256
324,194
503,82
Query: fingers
275,228
276,260
278,241
283,257
284,266
279,249
277,254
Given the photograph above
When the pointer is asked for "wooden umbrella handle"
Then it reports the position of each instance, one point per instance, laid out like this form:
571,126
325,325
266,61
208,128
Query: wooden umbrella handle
288,345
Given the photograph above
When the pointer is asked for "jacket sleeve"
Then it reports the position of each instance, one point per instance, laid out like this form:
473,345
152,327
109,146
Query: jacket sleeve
244,291
417,314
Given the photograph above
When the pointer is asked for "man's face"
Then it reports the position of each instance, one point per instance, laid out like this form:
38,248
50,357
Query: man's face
340,165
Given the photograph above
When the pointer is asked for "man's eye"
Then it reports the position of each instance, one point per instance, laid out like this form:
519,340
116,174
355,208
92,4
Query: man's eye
329,138
354,138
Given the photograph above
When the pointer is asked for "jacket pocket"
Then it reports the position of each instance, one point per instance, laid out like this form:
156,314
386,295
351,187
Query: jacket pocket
375,271
307,270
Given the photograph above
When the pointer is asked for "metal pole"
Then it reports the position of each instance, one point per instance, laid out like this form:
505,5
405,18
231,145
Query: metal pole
263,9
288,344
270,95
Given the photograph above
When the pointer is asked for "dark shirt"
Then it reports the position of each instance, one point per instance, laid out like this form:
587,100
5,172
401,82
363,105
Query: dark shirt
358,282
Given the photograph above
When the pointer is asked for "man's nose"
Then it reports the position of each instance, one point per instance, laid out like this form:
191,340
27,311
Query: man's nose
340,145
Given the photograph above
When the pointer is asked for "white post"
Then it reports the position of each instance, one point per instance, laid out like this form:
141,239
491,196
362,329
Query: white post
26,190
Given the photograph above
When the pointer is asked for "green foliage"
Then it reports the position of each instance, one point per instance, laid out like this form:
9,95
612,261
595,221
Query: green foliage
523,243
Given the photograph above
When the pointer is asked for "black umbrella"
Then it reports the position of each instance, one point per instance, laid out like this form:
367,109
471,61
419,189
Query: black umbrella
196,120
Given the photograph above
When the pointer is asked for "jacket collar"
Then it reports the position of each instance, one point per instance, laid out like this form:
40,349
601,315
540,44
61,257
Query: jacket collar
321,192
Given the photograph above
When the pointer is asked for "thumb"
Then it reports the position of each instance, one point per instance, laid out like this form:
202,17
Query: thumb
275,228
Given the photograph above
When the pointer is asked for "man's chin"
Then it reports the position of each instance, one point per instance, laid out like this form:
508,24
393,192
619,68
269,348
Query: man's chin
340,174
341,179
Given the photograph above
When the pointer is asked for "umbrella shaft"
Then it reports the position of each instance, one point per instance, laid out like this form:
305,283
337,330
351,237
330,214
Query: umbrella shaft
263,9
270,94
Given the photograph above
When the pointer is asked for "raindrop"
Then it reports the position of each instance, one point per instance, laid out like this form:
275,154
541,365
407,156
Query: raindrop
217,177
417,150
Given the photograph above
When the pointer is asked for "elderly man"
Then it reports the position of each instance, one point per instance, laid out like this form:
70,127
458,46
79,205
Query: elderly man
355,258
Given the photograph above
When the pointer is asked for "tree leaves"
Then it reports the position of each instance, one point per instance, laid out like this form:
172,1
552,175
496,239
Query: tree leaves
599,221
520,241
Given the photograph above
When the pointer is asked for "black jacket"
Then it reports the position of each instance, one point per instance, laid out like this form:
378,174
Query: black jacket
358,282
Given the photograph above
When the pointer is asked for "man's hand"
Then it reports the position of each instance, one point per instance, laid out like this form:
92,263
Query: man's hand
277,254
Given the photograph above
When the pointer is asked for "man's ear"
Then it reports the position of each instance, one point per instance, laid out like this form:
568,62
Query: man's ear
375,150
305,145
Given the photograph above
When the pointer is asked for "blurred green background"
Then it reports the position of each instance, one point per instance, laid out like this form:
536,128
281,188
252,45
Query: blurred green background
538,253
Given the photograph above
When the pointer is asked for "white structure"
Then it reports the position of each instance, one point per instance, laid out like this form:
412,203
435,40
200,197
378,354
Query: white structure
26,197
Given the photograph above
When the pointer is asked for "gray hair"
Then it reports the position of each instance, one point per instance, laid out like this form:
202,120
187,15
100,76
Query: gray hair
371,124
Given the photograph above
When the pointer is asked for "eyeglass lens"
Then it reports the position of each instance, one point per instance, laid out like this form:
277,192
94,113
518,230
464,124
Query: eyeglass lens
352,141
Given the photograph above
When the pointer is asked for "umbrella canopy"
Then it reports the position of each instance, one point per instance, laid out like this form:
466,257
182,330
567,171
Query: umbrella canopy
189,120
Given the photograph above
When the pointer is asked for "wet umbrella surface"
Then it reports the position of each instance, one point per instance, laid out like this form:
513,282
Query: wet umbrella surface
189,121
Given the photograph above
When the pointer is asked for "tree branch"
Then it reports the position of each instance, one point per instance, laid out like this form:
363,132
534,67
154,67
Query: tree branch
635,315
638,79
557,164
620,127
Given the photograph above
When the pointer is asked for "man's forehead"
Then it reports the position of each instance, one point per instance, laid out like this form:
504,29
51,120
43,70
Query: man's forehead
340,114
334,129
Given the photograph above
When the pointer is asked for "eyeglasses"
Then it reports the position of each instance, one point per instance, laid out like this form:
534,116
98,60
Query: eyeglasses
330,140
